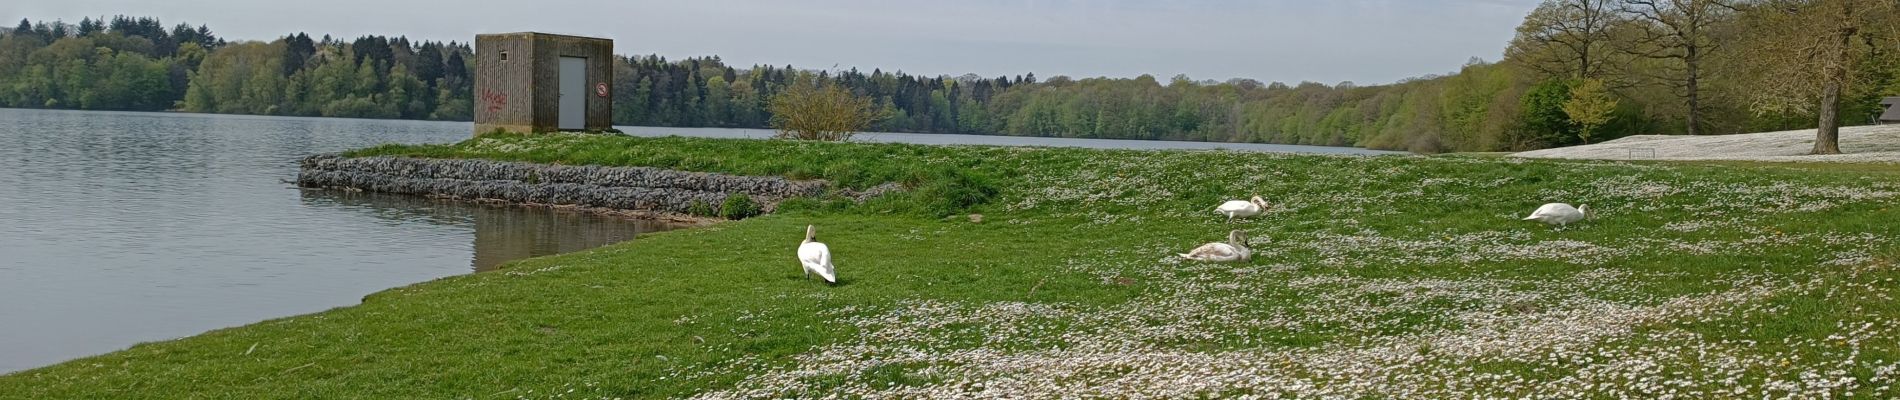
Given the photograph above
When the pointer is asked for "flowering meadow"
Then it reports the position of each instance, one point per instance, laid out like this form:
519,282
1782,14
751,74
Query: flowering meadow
1372,277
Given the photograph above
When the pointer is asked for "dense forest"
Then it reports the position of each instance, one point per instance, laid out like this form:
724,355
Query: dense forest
1578,71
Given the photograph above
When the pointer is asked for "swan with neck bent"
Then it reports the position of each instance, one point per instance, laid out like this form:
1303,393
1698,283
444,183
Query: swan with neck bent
815,256
1235,250
1242,208
1559,214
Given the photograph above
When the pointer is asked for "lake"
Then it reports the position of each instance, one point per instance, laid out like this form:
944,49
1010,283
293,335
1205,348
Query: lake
120,228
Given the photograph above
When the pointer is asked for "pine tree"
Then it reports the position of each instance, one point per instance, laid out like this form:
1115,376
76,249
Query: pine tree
87,27
297,52
429,63
456,67
209,41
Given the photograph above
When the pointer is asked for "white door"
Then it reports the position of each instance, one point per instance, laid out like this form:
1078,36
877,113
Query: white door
573,93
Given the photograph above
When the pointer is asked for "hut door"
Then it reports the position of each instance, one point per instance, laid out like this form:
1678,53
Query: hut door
573,93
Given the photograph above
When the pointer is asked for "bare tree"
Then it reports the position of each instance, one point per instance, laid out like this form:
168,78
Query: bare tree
1679,31
820,111
1566,38
1805,52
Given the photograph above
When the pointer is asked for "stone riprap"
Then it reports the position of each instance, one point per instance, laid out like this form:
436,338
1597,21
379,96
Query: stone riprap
620,188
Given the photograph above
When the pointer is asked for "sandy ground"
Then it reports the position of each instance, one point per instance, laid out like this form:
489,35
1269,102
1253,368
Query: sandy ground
1878,143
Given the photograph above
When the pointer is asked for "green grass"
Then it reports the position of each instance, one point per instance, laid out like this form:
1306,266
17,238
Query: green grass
1374,277
942,181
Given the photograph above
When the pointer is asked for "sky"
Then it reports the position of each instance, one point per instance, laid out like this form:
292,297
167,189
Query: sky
1327,41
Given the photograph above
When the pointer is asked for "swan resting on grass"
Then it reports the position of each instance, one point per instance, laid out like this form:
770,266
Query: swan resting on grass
1559,214
1242,209
1235,250
815,256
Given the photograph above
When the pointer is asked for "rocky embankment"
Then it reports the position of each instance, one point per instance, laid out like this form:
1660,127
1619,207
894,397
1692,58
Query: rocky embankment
617,188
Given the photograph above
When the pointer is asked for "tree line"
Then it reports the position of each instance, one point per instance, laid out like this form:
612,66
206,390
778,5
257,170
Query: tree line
127,63
1577,71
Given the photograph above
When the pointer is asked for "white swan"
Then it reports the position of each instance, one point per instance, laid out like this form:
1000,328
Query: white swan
816,256
1242,208
1235,250
1559,214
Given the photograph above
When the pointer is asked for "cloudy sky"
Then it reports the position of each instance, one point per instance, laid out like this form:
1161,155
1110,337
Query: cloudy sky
1365,41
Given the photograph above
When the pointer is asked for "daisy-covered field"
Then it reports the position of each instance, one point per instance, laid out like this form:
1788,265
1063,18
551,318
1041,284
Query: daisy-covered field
1372,277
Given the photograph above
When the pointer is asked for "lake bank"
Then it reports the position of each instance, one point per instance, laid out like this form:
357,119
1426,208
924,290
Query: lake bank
677,194
1374,276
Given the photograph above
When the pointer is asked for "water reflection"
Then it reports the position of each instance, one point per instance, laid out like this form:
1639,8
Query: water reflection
120,228
502,233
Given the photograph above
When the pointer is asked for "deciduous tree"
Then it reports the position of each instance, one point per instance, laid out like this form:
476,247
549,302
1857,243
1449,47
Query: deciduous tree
811,110
1590,106
1566,38
1682,32
1805,53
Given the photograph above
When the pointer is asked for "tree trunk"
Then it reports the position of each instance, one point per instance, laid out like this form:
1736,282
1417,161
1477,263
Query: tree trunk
1583,60
1827,134
1693,61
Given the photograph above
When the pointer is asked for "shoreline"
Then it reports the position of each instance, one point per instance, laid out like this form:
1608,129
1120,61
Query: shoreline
642,130
641,191
683,220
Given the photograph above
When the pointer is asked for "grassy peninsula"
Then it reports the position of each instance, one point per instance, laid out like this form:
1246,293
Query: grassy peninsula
1374,277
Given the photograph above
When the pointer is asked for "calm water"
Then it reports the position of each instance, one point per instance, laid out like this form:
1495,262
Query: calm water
119,228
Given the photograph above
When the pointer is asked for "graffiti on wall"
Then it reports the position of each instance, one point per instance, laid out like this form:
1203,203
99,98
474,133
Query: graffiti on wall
494,100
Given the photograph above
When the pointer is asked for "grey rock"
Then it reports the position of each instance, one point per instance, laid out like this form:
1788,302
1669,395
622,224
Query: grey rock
624,188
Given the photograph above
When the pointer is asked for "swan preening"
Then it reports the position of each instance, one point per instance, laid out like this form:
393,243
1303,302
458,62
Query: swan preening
1235,250
815,256
1559,214
1242,208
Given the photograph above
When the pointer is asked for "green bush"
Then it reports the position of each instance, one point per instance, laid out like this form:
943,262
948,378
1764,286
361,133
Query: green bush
739,206
935,182
700,209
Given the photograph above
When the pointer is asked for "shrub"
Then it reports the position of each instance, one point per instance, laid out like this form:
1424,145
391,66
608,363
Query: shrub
739,206
700,209
828,112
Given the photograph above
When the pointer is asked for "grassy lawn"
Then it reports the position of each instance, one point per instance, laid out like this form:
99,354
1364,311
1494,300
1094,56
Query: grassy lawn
1373,277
